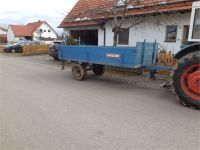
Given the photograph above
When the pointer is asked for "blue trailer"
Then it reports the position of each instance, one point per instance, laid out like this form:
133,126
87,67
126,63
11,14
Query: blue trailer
97,57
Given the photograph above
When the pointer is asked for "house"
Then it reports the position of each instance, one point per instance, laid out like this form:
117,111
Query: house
166,21
38,31
17,32
3,30
42,31
3,35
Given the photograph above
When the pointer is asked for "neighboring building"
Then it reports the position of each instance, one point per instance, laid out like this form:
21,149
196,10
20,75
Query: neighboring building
17,32
3,35
38,31
166,21
42,31
3,30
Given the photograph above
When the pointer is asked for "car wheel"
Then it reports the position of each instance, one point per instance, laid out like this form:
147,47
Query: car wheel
13,51
56,58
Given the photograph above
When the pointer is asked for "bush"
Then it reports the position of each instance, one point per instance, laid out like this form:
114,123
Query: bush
70,41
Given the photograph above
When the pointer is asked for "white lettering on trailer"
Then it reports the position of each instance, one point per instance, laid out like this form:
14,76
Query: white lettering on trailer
113,56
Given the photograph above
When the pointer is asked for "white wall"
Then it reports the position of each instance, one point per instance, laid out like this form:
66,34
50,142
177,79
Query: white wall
46,34
10,36
154,28
100,37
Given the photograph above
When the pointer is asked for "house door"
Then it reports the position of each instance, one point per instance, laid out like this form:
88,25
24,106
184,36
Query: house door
87,37
185,34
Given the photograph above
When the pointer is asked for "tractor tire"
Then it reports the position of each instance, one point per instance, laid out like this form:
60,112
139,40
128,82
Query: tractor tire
79,72
186,79
98,70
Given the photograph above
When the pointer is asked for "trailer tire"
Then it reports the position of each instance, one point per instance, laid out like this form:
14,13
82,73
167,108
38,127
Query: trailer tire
186,79
98,70
79,72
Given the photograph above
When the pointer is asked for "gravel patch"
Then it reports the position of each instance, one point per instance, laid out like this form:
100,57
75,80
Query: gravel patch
141,81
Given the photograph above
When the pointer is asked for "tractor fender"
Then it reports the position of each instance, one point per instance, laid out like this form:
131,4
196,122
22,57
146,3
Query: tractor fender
188,49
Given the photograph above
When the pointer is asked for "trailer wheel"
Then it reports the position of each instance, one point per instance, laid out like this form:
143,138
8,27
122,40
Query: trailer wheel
98,70
79,72
186,79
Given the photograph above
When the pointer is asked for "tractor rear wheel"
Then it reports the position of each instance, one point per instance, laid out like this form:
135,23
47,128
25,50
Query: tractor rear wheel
186,79
79,72
98,70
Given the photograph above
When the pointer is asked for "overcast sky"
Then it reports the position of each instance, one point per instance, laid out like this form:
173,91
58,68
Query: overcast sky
24,11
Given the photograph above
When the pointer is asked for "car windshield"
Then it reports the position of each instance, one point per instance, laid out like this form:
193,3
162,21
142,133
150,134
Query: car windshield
57,42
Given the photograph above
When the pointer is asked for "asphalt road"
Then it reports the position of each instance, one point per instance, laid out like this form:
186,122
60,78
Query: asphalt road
43,108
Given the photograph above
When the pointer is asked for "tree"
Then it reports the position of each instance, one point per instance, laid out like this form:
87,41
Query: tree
120,9
117,25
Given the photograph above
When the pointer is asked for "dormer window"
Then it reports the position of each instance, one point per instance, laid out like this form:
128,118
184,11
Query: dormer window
122,2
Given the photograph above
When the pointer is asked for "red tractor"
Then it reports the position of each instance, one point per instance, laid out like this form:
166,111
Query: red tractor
186,73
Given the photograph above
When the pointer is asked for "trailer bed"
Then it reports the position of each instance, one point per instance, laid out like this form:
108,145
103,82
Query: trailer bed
144,54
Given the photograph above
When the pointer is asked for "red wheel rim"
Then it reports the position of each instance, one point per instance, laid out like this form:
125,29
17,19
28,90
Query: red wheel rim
190,81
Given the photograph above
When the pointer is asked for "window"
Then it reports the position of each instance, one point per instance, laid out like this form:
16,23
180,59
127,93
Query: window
123,37
49,31
40,30
185,34
122,2
196,27
171,33
45,31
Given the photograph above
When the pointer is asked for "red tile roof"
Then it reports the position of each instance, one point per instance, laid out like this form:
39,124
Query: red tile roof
35,25
87,12
26,30
21,30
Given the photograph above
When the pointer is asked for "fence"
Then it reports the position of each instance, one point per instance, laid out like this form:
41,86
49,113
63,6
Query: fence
35,49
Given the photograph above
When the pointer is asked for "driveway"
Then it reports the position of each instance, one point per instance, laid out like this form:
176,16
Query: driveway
43,108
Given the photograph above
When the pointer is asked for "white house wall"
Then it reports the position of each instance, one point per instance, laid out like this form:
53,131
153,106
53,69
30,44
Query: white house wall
46,34
10,36
100,37
151,31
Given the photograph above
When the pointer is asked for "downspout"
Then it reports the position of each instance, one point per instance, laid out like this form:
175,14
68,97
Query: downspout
104,34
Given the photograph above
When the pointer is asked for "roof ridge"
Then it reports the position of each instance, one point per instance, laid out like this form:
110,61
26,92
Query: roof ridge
84,10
